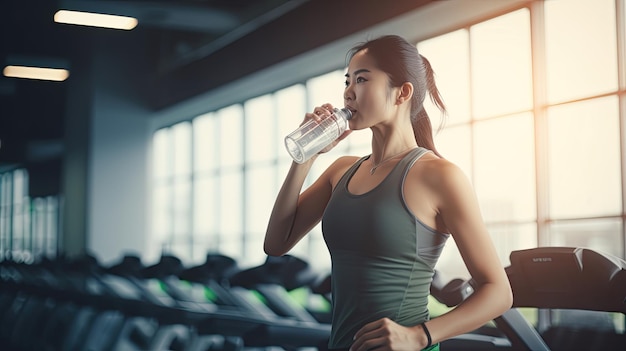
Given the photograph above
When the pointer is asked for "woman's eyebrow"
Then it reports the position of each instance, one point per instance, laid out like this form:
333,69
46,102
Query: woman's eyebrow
358,71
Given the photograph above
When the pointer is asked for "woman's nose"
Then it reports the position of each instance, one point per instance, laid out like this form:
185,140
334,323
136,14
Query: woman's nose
348,95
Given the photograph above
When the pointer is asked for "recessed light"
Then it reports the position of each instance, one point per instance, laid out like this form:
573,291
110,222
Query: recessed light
95,19
54,74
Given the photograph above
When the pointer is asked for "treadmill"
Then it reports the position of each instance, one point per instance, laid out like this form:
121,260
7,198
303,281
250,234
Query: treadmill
572,279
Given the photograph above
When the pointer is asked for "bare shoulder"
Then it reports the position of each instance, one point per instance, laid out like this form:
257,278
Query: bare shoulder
437,171
336,170
441,176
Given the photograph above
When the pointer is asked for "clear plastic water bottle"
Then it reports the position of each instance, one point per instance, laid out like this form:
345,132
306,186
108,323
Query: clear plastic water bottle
312,137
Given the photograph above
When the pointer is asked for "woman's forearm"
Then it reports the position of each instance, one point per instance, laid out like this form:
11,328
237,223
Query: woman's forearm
278,237
489,301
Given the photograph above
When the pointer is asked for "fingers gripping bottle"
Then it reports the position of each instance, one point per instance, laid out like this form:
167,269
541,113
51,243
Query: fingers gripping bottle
312,137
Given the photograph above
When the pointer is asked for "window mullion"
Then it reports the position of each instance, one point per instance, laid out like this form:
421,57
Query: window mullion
537,28
620,12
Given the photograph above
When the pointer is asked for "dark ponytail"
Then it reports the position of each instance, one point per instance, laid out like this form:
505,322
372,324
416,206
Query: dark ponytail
402,63
422,128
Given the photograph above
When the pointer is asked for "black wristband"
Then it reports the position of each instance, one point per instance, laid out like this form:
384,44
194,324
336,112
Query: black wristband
430,340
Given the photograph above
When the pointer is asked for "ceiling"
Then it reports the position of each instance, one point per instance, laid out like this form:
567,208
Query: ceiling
229,38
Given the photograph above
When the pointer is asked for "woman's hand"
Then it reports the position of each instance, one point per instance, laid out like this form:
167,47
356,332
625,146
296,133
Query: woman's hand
385,334
319,114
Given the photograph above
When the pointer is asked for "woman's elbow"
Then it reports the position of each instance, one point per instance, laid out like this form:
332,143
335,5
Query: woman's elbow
506,297
271,250
500,297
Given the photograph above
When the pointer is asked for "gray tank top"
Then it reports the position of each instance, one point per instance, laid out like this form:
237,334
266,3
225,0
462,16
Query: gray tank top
382,255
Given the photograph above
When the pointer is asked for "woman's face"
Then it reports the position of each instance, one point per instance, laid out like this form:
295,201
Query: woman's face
367,92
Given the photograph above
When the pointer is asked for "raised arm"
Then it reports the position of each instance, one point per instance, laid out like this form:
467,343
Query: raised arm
292,216
295,213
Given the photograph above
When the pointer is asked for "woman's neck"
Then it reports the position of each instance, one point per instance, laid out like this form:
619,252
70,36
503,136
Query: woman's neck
386,144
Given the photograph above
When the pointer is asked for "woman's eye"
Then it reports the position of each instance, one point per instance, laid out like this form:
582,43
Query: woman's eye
356,80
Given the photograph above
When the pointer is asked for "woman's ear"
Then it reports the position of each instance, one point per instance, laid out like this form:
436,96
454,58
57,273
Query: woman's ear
405,93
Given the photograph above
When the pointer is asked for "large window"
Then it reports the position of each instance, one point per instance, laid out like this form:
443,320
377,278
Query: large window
29,227
534,120
542,149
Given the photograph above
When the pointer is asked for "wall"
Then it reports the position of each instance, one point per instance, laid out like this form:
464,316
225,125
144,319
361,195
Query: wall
119,143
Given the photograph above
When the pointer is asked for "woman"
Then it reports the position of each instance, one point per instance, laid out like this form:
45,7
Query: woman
386,216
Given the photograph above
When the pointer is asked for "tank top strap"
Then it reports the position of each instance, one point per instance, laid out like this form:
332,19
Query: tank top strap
399,173
409,160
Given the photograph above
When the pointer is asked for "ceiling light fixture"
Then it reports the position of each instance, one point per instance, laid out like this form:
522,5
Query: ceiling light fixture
95,19
54,74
